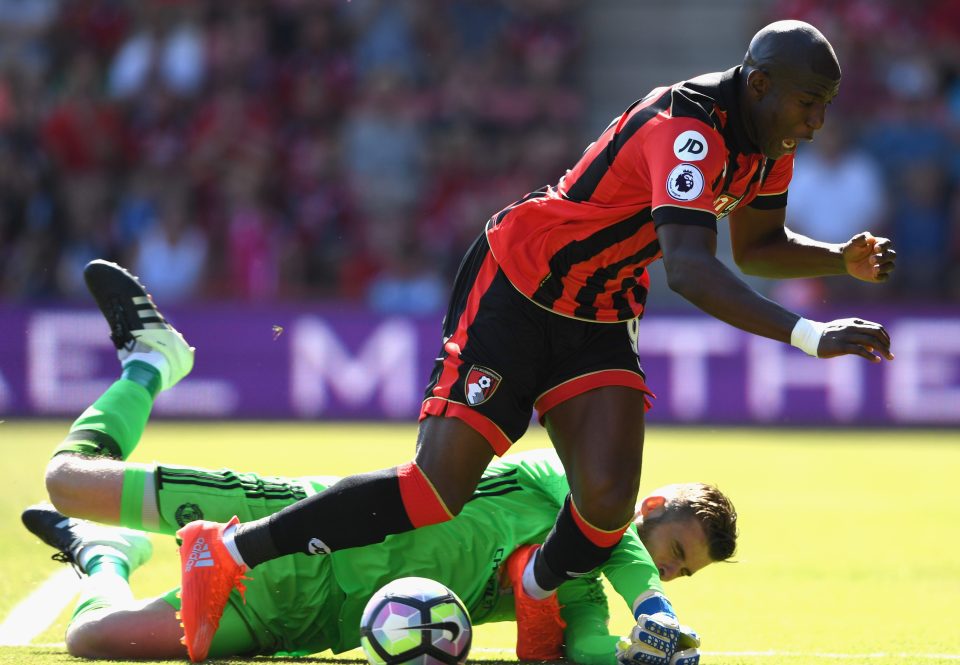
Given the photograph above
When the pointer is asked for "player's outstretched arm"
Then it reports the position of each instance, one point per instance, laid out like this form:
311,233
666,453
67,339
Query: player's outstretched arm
588,640
763,246
633,574
693,271
658,638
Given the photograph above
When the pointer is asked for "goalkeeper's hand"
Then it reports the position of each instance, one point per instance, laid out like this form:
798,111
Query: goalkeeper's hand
653,641
658,638
688,648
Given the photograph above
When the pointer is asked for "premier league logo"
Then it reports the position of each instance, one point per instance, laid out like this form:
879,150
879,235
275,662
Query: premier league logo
685,182
481,384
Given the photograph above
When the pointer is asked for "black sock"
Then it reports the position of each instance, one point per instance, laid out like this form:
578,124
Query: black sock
359,510
567,552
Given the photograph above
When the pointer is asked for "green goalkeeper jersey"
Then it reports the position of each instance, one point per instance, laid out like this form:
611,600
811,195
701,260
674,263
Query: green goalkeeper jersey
306,604
516,503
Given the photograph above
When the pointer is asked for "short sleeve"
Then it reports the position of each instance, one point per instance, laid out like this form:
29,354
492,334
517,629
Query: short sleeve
685,159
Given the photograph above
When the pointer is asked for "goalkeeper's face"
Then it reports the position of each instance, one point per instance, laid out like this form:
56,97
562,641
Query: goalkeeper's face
678,546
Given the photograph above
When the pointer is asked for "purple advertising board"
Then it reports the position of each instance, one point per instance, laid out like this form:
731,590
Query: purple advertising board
336,363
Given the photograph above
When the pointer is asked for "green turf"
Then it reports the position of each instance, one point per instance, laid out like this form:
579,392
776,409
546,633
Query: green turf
849,545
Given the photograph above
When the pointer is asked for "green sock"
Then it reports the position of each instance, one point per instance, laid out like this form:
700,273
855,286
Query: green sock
112,426
108,564
106,584
144,374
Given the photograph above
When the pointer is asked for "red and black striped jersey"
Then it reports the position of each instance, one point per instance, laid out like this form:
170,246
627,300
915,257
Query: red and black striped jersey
680,155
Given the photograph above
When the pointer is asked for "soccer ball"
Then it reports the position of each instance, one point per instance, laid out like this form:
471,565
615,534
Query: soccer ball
415,621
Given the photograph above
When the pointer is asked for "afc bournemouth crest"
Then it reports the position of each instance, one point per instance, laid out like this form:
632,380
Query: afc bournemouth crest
481,384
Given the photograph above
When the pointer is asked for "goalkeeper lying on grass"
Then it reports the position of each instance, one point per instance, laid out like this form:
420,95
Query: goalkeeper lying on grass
306,604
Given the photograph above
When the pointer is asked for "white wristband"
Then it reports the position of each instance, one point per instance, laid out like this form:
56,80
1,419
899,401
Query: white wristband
806,335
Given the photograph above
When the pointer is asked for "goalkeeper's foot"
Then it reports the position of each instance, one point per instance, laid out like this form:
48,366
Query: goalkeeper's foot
539,625
137,328
77,540
208,576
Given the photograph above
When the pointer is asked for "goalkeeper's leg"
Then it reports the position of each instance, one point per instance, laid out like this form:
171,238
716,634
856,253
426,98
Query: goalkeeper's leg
357,511
153,357
147,629
365,508
126,629
107,622
86,475
104,557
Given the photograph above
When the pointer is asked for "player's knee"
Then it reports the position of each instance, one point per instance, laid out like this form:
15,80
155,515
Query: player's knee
454,495
452,457
91,638
456,501
86,487
424,499
608,503
455,507
60,478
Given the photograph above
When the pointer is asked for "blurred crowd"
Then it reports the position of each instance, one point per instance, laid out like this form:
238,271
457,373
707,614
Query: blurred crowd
888,158
274,149
298,149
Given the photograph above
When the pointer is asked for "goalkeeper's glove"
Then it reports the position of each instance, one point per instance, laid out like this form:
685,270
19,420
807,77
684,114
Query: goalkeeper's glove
688,648
686,657
653,641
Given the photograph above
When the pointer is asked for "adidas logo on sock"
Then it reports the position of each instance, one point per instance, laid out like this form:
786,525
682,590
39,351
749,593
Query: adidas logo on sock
199,556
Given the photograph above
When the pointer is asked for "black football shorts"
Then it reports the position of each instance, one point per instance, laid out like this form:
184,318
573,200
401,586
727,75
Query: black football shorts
504,356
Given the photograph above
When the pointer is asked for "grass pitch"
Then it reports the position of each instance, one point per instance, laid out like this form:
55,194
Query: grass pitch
849,553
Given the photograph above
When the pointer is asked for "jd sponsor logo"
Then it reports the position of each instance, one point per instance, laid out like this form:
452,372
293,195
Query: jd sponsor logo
690,146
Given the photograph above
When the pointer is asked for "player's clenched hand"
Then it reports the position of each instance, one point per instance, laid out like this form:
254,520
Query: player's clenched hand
854,337
653,641
868,258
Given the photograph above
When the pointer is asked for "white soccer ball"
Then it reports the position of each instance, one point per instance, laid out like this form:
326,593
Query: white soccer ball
415,621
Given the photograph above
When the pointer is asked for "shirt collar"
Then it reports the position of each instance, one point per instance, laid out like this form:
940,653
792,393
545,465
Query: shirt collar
729,97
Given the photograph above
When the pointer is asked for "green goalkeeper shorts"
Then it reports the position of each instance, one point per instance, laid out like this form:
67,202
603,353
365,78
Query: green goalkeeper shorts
291,603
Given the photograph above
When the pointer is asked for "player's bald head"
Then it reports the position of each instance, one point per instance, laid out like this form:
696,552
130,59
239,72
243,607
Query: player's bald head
789,76
793,49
